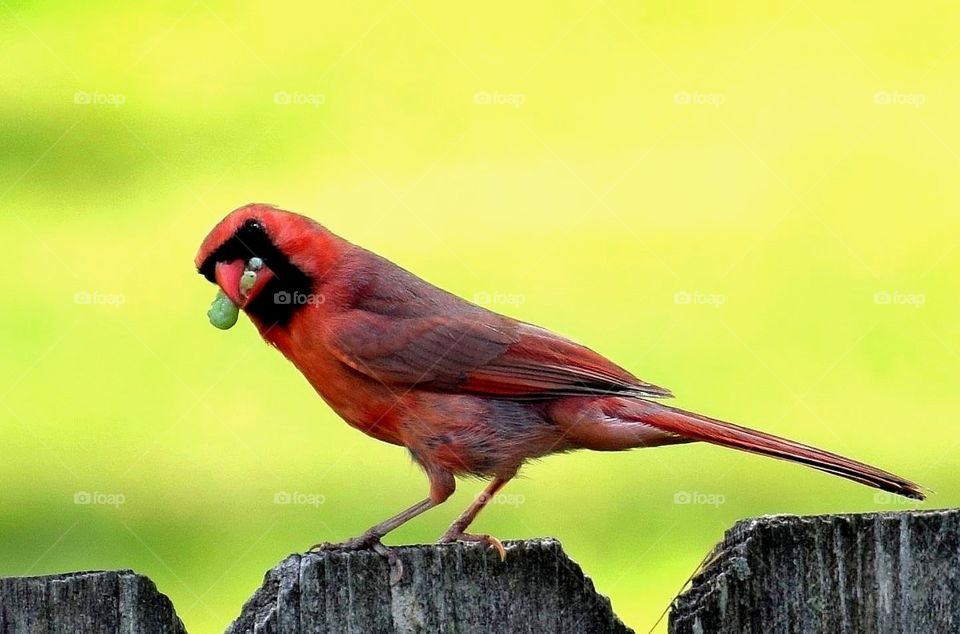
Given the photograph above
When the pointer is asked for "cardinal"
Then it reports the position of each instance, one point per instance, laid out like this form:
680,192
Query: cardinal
467,391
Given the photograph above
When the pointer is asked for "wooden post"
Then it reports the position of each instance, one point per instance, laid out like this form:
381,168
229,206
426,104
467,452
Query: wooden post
877,572
455,588
114,602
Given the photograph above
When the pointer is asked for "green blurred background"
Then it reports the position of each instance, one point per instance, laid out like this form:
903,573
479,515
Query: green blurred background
755,205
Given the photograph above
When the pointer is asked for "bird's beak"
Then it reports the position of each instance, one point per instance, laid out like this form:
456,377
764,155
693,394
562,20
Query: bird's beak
228,276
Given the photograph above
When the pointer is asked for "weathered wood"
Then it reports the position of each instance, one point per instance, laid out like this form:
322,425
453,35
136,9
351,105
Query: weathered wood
456,588
113,602
877,572
880,572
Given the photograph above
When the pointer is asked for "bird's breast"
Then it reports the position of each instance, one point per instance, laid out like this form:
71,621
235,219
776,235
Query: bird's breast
362,402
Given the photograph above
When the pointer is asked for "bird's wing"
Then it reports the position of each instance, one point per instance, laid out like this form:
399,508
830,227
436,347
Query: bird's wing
477,353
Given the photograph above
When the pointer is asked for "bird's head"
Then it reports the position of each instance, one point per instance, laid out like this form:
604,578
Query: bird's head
266,262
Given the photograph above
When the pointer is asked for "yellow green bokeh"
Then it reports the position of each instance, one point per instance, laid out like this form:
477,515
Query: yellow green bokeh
753,204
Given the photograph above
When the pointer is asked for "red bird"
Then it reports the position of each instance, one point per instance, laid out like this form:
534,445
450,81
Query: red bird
467,391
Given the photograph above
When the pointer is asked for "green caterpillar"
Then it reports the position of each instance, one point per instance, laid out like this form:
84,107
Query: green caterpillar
223,312
247,281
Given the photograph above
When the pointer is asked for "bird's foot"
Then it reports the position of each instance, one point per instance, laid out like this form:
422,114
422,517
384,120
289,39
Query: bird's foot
367,541
489,540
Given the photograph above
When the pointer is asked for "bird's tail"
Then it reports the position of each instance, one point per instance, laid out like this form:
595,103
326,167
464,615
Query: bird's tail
691,426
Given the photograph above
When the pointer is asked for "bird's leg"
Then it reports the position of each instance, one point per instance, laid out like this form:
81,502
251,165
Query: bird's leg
442,486
456,531
371,537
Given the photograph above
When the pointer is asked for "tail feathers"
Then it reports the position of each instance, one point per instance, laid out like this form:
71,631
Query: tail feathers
697,427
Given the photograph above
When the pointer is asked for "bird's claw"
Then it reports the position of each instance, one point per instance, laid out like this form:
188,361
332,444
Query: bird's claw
488,540
367,542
